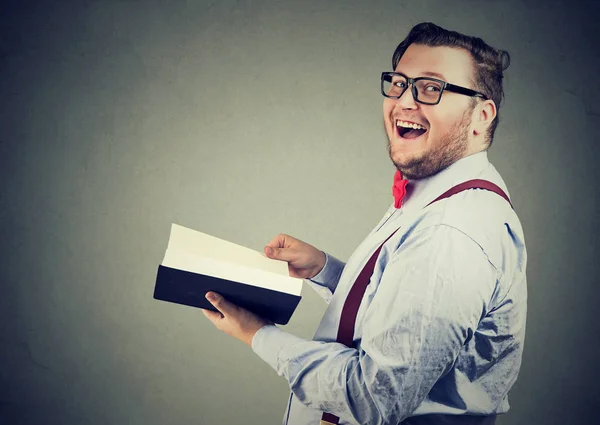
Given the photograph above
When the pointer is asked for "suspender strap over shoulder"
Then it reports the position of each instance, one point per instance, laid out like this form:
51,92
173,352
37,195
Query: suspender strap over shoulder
473,184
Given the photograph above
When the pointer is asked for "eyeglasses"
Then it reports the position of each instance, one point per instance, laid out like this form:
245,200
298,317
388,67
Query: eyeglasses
425,90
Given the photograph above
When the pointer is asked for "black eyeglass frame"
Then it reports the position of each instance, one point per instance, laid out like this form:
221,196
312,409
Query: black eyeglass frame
411,82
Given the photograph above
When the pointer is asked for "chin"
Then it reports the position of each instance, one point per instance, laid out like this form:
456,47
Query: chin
403,153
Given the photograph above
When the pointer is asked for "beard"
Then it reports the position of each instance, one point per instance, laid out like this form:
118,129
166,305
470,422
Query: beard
451,147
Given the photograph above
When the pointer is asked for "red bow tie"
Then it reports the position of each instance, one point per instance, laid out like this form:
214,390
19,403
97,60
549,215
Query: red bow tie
399,189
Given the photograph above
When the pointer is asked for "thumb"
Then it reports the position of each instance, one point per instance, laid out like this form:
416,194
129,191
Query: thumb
220,303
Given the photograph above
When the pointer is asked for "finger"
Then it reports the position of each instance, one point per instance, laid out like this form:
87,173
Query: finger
220,303
279,241
213,316
284,254
278,248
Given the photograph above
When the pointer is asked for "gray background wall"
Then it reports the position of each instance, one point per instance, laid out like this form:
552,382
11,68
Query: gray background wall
244,119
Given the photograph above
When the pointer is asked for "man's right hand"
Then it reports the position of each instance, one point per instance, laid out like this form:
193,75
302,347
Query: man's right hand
304,260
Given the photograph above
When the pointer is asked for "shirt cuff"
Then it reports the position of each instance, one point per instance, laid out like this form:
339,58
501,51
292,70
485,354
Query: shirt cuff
329,275
268,342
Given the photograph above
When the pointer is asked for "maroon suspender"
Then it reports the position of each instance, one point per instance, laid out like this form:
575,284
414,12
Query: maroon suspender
348,318
473,184
349,311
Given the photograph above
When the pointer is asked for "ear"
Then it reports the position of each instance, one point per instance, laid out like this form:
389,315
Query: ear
485,113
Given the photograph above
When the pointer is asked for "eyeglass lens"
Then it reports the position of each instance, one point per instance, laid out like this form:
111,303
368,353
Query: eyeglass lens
428,91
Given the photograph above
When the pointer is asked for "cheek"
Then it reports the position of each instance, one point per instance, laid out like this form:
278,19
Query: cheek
388,107
441,122
449,114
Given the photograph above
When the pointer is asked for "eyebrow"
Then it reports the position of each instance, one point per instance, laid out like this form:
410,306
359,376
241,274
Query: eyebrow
436,75
428,74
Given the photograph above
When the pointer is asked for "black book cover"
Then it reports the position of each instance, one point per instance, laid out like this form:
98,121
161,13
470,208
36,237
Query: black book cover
187,288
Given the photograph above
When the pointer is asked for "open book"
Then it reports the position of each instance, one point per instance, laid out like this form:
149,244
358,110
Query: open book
196,263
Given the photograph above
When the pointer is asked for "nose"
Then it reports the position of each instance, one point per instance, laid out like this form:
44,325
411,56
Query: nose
407,100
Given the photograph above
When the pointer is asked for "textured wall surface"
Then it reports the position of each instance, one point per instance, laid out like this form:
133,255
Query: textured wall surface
244,119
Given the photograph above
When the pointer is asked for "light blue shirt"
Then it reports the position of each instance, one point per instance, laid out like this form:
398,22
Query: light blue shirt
441,326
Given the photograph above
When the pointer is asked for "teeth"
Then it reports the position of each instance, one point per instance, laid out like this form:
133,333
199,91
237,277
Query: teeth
405,124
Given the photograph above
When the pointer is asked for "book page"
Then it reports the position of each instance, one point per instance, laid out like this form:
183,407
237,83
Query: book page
201,245
235,272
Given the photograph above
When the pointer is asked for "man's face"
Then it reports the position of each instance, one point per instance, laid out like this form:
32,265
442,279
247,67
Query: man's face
447,125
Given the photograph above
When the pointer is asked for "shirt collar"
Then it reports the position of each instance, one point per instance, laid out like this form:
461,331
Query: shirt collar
422,191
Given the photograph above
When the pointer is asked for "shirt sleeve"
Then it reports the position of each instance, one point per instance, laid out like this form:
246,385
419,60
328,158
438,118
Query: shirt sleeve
327,279
432,294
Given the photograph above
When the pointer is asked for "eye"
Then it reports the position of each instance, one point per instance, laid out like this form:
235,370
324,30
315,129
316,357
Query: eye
432,88
400,84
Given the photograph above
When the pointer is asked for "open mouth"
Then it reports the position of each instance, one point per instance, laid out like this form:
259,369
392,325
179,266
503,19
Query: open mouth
409,130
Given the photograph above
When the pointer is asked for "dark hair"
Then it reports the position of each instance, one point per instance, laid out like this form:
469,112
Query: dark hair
489,63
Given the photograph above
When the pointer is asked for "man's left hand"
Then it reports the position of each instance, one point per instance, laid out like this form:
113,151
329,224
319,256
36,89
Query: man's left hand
233,320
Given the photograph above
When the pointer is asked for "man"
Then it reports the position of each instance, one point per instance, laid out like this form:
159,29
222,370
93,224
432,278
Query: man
438,333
